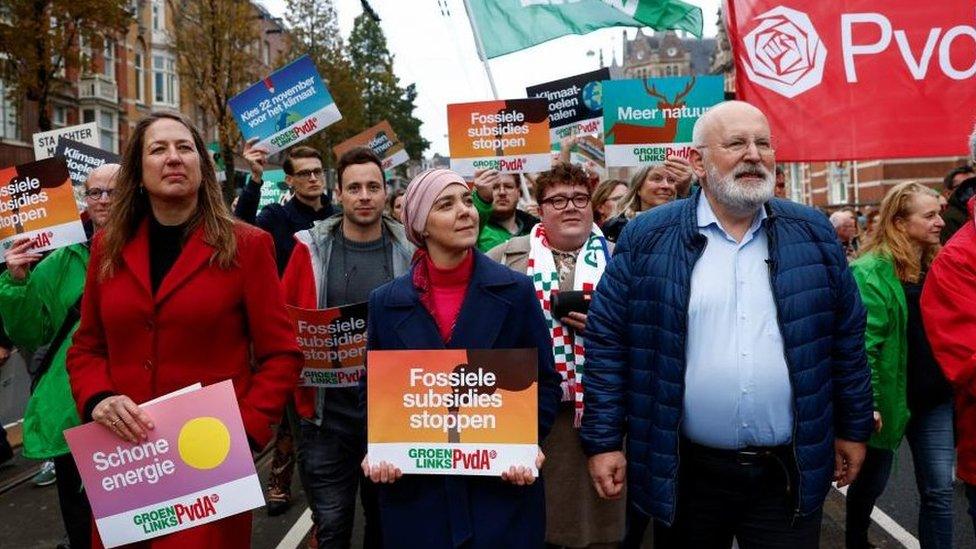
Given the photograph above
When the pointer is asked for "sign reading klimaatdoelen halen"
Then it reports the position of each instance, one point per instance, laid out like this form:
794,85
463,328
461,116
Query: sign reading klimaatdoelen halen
195,467
382,140
510,136
647,120
37,202
285,108
454,411
334,344
575,104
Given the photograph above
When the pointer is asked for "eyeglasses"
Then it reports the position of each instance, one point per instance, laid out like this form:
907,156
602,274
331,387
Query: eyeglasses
96,194
740,145
307,174
559,202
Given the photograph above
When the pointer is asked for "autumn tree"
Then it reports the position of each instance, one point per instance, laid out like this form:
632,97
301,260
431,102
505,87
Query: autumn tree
383,96
216,45
314,27
40,39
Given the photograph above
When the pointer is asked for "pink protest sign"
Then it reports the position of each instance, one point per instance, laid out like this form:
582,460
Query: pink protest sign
196,467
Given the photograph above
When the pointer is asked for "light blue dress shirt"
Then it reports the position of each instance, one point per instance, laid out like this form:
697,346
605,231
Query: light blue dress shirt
737,385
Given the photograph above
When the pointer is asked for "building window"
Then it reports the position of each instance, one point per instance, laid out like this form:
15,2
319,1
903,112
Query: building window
267,53
838,177
108,60
140,68
165,86
9,121
59,116
107,130
158,15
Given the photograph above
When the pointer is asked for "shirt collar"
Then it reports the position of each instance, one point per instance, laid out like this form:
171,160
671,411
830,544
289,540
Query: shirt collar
706,217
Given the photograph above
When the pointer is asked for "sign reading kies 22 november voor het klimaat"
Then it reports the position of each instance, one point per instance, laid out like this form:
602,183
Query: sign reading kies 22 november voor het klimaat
195,467
647,120
37,202
453,412
290,105
575,104
510,136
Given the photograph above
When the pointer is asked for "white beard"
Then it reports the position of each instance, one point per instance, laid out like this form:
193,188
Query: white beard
744,199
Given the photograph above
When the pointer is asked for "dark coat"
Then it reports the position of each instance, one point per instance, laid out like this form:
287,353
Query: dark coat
281,220
635,347
499,312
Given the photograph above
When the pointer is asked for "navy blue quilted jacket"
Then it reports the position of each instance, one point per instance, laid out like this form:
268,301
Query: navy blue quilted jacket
635,347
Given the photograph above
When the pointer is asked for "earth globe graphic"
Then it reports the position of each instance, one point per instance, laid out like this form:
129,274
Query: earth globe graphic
593,95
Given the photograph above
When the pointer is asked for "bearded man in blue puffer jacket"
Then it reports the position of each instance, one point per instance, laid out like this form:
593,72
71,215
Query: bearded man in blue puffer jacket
725,345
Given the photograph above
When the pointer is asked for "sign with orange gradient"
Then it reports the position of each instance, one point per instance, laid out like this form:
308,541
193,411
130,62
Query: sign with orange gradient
453,411
511,136
334,344
195,467
37,202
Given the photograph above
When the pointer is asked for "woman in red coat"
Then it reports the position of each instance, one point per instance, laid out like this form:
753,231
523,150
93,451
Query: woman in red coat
179,293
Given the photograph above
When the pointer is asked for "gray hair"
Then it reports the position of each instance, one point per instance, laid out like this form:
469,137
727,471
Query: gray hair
838,218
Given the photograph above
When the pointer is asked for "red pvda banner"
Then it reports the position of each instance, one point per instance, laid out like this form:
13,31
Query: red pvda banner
858,79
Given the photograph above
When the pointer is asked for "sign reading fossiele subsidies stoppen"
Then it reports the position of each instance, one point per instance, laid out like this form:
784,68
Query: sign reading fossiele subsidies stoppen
333,342
37,202
194,468
454,411
575,104
647,120
510,136
285,108
45,143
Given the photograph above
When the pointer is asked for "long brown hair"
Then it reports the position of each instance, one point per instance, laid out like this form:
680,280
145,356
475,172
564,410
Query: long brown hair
631,205
131,203
602,194
892,242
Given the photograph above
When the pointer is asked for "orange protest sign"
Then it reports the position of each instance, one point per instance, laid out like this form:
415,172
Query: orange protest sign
468,412
510,136
37,202
382,140
333,342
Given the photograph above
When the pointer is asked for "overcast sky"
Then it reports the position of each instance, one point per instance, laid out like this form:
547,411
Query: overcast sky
434,48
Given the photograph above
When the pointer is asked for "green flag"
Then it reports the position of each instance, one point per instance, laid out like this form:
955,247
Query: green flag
511,25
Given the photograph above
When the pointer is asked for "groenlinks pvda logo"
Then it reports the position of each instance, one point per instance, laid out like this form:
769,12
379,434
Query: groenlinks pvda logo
784,52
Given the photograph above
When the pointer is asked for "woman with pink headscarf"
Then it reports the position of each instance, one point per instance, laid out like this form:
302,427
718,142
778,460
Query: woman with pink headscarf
456,298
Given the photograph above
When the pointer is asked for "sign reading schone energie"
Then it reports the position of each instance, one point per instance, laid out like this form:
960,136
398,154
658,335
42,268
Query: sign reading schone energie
645,121
455,411
195,468
334,344
37,202
510,136
285,108
575,104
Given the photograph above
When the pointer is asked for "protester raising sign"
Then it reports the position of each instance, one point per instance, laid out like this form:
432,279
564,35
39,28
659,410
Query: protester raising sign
194,468
273,188
575,104
285,108
855,80
510,136
456,412
645,121
334,344
36,202
382,140
45,143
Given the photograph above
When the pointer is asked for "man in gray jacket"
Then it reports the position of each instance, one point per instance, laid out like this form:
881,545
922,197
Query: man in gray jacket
339,261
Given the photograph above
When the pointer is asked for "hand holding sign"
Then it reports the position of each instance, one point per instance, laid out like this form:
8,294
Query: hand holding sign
19,258
256,156
123,417
523,476
383,472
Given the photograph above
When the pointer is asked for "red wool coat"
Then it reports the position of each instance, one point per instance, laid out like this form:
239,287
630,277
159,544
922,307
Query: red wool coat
950,324
204,324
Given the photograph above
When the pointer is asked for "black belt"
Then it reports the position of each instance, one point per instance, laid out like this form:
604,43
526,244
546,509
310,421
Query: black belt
748,456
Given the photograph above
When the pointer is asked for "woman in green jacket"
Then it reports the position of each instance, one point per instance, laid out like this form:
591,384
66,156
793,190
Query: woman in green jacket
911,396
39,305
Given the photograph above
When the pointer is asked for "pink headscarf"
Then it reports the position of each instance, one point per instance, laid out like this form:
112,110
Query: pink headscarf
421,193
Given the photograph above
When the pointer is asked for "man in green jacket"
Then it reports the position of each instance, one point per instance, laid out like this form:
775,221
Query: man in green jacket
496,199
39,306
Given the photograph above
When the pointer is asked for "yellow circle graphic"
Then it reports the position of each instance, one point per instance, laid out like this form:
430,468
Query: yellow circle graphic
204,442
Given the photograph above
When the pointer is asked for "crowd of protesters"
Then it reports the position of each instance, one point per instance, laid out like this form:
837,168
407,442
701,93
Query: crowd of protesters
712,357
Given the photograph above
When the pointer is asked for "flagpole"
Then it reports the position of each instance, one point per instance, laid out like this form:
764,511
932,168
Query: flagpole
481,49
